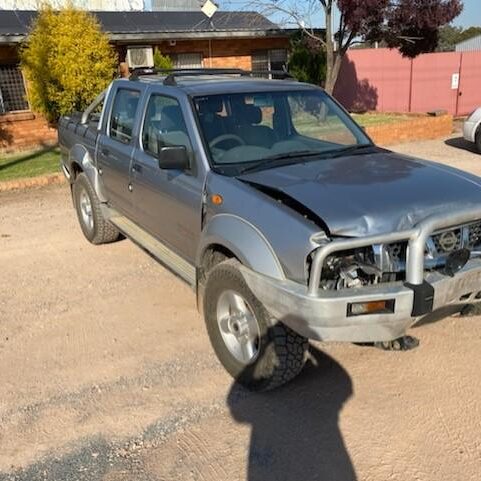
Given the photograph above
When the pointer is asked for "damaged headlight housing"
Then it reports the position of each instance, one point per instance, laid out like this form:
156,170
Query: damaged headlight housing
362,267
350,269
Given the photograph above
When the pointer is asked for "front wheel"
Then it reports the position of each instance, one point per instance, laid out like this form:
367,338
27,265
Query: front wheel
259,353
478,140
94,226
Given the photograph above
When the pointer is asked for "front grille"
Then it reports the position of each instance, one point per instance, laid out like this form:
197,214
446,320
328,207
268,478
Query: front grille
438,247
474,235
448,241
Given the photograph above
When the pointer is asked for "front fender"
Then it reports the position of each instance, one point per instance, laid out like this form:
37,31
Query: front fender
81,156
244,240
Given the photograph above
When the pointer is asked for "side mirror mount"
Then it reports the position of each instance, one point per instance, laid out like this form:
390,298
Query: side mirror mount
173,157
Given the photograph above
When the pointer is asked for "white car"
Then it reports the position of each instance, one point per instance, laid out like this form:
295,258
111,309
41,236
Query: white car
472,128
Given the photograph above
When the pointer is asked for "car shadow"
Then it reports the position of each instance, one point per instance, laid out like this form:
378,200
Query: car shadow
295,432
461,143
45,148
439,315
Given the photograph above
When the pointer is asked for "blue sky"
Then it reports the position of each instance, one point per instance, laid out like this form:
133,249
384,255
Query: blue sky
471,15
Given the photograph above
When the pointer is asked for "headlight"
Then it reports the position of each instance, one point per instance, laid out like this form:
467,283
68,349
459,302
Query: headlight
350,269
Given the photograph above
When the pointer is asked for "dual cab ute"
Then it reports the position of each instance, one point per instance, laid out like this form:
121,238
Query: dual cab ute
279,211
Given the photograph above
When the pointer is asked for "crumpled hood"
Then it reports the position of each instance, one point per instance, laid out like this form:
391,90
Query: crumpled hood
372,193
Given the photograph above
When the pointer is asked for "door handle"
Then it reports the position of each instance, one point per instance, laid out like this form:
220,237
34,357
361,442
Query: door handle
105,152
137,168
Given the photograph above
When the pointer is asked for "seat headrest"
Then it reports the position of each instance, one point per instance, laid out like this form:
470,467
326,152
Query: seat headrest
250,114
131,106
210,105
171,119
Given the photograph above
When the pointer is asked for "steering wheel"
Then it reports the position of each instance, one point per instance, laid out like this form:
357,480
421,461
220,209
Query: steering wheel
224,137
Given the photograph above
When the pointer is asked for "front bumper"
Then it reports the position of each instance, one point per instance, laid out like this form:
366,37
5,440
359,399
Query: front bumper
325,317
323,314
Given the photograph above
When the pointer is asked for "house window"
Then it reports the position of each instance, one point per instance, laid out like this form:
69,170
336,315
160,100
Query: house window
187,60
13,95
263,60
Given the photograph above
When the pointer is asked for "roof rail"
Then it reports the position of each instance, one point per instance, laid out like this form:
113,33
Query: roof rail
278,74
184,72
172,74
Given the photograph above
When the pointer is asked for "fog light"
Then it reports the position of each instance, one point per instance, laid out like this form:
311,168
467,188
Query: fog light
456,261
372,307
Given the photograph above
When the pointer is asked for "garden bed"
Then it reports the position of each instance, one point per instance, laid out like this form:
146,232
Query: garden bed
390,129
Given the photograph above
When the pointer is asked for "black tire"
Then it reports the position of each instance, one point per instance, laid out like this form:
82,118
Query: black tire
100,231
282,352
478,140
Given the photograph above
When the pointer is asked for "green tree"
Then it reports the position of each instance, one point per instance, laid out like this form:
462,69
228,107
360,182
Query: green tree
67,61
162,61
449,36
307,60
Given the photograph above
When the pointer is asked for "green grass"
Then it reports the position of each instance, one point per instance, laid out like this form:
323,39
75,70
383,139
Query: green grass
29,164
368,120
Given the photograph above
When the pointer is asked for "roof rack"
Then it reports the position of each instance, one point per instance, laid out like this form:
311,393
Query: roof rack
172,74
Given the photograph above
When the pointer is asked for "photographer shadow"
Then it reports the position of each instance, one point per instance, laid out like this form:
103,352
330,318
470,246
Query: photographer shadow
295,433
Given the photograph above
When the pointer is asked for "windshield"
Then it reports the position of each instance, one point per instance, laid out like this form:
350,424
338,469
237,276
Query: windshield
258,130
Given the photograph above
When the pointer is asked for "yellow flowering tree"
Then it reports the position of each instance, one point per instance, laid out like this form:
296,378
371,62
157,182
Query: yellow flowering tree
67,61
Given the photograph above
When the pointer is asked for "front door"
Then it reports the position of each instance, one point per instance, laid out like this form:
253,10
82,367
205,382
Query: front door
116,148
167,202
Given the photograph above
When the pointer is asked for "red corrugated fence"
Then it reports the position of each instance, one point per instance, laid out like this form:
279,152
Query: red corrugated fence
383,80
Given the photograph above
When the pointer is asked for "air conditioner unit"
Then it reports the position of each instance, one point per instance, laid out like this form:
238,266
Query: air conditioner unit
138,57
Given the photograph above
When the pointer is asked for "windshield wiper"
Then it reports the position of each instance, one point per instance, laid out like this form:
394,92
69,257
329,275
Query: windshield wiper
277,159
350,149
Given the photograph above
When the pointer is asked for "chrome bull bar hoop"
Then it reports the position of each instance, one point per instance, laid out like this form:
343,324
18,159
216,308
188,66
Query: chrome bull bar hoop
416,237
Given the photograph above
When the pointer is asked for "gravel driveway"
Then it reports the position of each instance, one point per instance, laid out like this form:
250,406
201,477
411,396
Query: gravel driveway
106,373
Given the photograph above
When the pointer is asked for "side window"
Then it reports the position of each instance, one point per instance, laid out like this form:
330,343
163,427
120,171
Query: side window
123,114
93,118
164,125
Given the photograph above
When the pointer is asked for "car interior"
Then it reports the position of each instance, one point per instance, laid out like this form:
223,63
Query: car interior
246,127
240,128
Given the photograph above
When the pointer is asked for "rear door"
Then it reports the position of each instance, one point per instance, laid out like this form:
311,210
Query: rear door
167,202
116,145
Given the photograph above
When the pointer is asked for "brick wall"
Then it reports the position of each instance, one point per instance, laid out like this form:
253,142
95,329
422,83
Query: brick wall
24,131
420,127
228,53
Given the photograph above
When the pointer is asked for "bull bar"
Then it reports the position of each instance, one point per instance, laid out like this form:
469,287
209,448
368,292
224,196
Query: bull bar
416,237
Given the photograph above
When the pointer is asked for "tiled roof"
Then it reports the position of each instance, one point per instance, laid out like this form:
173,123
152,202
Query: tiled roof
16,22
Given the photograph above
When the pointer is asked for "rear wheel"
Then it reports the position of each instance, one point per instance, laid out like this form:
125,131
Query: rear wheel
94,226
259,353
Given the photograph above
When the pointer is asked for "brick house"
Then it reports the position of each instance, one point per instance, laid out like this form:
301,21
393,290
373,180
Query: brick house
230,39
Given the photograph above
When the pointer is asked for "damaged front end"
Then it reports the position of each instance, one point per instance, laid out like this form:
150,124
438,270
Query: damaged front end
446,251
373,288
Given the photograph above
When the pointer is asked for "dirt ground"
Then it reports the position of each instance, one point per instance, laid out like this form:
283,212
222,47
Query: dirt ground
106,373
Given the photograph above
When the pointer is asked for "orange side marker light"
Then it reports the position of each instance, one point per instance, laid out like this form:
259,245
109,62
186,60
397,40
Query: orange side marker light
216,199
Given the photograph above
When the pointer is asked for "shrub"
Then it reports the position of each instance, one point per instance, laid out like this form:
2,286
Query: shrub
67,61
307,60
162,61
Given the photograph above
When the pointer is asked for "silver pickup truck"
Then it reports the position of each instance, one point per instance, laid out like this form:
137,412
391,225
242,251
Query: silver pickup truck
276,207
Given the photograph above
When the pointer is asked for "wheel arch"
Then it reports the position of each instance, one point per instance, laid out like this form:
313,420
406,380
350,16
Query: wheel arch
80,160
242,240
